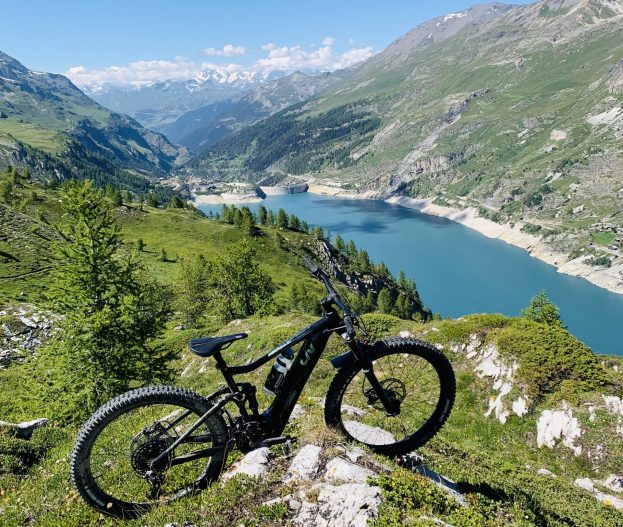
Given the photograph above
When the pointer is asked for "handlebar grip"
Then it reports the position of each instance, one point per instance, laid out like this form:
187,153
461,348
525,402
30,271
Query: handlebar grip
311,266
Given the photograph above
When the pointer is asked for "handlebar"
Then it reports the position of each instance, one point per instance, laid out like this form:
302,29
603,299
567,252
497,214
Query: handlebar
335,298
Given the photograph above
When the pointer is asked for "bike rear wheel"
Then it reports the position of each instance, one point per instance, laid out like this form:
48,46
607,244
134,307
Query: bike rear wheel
411,372
112,461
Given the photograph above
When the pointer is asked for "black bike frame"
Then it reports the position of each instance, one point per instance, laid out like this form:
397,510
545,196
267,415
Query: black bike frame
314,338
274,419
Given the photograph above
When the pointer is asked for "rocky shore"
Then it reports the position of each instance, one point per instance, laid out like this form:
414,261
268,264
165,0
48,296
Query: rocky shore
609,278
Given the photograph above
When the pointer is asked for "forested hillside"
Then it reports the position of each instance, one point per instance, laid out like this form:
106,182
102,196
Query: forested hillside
48,124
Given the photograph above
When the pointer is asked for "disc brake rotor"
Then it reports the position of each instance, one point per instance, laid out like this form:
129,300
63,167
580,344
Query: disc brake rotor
394,390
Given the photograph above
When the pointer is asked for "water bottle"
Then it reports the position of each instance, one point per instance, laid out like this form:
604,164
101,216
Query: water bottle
278,372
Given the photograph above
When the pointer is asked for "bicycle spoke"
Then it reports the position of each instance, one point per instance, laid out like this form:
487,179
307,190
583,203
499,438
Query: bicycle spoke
408,378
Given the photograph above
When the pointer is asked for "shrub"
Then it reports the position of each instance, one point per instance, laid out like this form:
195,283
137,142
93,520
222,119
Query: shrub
548,355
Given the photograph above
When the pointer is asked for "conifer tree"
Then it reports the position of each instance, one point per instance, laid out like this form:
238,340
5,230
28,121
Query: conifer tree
339,243
194,289
384,301
238,287
541,309
282,219
262,215
152,201
112,311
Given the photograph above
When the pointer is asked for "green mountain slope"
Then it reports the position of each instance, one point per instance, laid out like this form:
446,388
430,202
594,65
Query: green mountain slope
48,113
517,110
206,126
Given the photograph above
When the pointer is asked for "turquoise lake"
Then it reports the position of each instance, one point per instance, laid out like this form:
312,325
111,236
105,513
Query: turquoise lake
457,270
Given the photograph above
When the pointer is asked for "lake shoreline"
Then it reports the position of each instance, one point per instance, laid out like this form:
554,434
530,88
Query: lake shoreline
605,278
610,279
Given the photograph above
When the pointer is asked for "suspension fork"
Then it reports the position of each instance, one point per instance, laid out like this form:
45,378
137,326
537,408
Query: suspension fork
360,350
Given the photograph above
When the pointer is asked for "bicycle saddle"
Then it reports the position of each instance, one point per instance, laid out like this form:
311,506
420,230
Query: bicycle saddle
207,346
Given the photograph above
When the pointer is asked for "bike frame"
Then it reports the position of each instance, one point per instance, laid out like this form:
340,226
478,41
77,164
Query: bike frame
274,419
314,339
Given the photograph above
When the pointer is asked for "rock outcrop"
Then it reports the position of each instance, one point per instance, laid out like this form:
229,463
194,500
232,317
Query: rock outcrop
23,329
332,486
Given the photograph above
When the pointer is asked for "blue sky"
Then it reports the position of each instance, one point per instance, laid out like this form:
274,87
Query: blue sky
169,38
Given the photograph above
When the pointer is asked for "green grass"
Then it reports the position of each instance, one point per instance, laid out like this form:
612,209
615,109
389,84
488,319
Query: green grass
603,238
490,459
49,141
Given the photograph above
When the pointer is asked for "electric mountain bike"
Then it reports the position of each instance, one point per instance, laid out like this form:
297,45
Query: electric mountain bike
156,444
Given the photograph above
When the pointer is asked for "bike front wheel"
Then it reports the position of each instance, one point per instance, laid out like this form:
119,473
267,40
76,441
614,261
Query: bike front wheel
113,464
414,375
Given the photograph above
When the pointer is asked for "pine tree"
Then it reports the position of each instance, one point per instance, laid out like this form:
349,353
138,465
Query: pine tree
541,309
227,214
402,307
370,302
112,311
140,245
194,290
263,215
238,287
318,232
294,223
248,222
270,219
363,261
385,304
237,217
282,219
351,250
127,197
175,202
382,271
152,201
339,243
6,191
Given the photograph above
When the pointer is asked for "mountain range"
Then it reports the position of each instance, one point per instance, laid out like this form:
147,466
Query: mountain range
210,124
514,110
47,122
159,103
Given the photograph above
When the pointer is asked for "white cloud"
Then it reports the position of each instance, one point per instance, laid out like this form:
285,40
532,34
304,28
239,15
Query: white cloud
134,73
277,58
353,56
291,58
229,50
328,41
